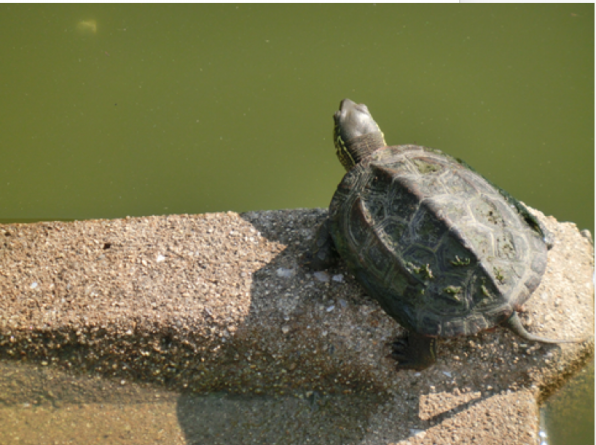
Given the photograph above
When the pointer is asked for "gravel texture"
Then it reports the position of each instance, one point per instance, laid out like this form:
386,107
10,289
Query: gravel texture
220,303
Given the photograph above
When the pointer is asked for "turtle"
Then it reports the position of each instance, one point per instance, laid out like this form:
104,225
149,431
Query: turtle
445,252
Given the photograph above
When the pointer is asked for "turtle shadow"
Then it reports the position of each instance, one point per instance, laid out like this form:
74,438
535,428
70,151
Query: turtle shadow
290,407
300,411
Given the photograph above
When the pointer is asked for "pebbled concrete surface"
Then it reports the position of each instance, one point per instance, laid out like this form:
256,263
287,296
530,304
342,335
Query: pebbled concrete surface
219,302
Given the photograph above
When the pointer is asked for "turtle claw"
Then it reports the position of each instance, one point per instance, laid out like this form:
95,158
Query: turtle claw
399,348
402,354
414,352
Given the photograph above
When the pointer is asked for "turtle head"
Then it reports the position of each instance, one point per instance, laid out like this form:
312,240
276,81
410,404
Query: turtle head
355,134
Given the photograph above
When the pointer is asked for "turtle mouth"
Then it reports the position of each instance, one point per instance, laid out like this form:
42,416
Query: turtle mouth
346,103
347,106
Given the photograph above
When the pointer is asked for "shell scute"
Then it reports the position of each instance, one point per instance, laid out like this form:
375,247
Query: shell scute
539,264
426,228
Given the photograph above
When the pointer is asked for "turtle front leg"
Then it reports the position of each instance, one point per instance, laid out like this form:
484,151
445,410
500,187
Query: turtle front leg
323,254
414,351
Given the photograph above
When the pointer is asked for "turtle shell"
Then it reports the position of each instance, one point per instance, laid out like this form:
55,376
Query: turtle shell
441,249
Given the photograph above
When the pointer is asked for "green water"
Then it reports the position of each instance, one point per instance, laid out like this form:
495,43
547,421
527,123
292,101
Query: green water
568,417
111,110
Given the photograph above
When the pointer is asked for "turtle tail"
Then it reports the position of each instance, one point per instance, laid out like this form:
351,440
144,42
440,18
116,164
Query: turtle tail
515,325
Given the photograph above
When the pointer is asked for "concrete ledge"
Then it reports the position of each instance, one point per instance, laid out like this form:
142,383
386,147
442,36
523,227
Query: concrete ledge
219,302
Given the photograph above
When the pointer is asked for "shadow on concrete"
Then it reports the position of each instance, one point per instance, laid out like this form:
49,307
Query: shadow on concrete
318,411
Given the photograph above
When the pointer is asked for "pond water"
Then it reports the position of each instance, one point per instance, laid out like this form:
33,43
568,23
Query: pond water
116,110
568,416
